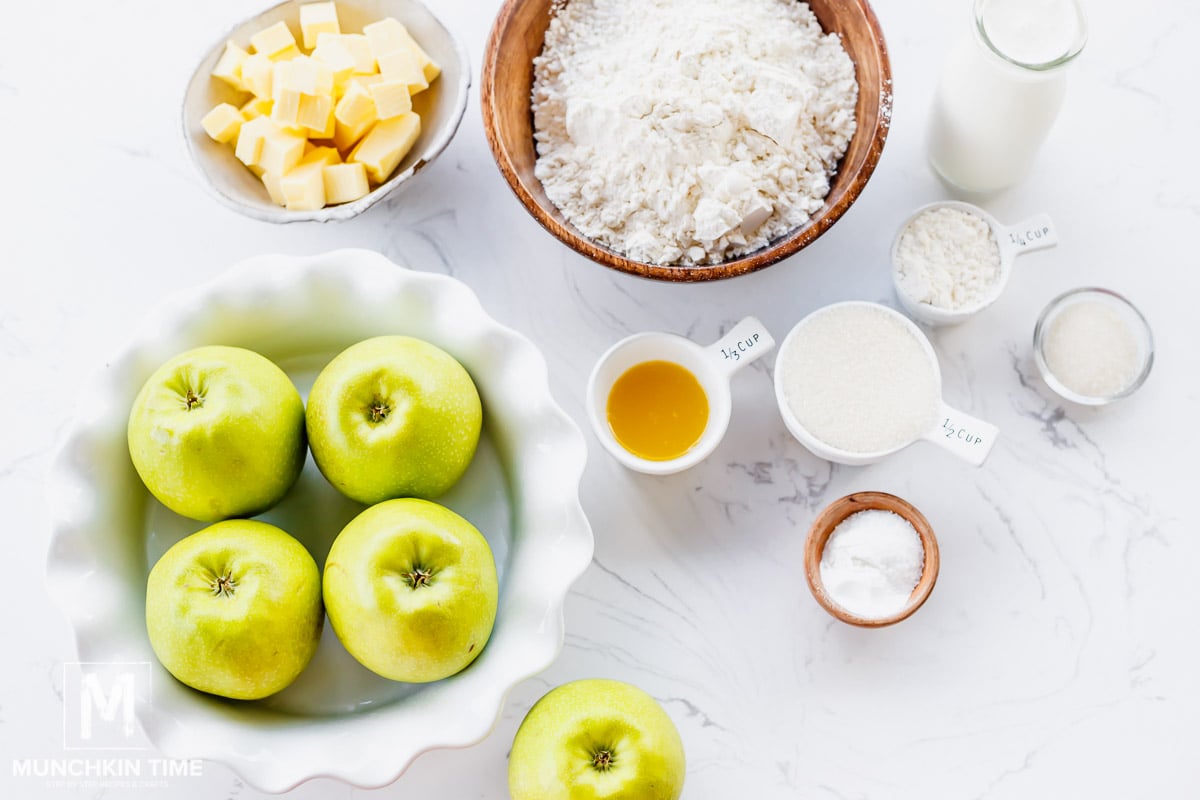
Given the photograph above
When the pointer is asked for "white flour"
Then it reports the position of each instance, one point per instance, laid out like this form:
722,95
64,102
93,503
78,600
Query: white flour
948,258
690,131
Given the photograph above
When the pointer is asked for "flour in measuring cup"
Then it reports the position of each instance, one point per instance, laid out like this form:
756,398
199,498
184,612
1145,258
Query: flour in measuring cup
949,259
690,131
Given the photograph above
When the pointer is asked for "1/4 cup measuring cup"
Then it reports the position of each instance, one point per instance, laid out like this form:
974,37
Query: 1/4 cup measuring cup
713,366
967,437
1036,233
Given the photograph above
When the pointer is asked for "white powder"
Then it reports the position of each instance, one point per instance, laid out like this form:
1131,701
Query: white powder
948,258
690,131
1092,350
872,562
857,378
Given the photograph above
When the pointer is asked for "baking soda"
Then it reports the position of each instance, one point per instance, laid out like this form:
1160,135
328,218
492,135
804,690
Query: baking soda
1091,349
872,562
857,378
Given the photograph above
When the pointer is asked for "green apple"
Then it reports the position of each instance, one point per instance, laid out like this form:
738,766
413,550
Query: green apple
393,417
235,609
410,588
217,432
596,740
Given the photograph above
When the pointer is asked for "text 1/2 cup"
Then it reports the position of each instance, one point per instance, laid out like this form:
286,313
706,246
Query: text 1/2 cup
1036,233
967,437
713,366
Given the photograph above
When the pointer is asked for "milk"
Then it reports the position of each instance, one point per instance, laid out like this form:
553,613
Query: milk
1001,90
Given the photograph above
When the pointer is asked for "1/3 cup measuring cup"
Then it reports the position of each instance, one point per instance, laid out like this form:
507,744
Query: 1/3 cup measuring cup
713,366
1036,233
965,436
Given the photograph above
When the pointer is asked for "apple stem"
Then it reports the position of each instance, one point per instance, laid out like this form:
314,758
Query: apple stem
224,585
602,760
192,400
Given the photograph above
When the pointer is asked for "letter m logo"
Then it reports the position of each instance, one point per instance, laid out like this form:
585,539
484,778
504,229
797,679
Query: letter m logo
100,703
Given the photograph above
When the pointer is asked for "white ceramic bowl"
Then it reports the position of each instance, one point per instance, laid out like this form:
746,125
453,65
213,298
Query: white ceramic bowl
338,720
441,107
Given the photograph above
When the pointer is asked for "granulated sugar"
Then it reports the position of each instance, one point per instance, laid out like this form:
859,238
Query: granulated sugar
690,131
857,378
872,562
1092,350
948,258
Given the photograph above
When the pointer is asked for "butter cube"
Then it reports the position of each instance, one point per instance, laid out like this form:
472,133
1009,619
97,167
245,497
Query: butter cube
356,45
281,150
382,150
354,115
285,109
344,182
257,107
273,40
287,54
315,112
402,66
328,156
303,188
256,74
317,18
250,140
223,122
229,66
391,99
271,181
389,35
304,74
337,58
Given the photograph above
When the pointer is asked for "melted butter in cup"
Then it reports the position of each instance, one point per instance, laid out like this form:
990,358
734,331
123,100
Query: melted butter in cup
657,410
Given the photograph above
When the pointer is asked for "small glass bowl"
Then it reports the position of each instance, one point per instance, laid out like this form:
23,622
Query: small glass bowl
1137,324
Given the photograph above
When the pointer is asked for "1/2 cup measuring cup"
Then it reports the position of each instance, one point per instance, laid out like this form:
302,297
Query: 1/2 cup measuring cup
713,366
965,436
1036,233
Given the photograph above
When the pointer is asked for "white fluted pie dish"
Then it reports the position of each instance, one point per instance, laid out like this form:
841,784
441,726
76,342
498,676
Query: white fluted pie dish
338,720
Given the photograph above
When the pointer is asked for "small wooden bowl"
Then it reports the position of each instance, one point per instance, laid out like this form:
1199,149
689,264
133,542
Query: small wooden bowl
516,40
832,516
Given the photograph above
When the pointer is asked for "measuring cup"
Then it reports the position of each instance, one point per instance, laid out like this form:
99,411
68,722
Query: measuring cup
1035,233
965,436
713,366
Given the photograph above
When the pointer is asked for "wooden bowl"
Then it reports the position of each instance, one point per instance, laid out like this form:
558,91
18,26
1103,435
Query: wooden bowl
516,39
832,516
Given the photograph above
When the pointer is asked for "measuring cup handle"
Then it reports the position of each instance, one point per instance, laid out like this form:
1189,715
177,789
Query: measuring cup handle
1036,233
965,436
745,343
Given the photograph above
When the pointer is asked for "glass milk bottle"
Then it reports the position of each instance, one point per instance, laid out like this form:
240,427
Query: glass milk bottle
1001,89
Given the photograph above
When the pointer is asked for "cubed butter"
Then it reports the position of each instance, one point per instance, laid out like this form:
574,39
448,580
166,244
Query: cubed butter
338,59
382,150
257,107
286,107
389,35
223,122
273,40
315,112
303,187
271,181
391,99
281,150
287,54
315,19
354,115
344,182
401,66
357,46
326,155
229,66
305,74
256,74
250,140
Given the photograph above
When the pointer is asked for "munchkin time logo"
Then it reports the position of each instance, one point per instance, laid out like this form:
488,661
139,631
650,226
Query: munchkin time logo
100,704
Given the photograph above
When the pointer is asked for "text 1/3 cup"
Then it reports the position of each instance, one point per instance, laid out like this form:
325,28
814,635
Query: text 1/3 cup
713,366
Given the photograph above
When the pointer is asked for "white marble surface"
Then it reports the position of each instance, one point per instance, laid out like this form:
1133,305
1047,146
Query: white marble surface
1057,656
